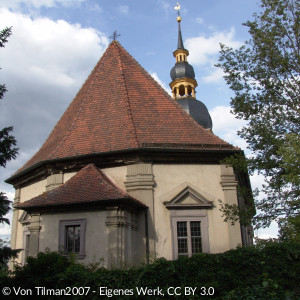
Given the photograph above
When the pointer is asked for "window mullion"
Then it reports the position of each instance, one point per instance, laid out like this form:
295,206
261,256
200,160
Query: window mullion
73,240
189,238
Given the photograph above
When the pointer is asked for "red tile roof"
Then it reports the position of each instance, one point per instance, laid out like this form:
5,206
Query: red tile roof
89,186
120,106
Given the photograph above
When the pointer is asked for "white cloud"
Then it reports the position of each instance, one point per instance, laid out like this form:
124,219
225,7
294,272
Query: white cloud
224,120
5,230
43,65
204,49
123,9
267,233
16,4
50,52
257,180
214,75
266,236
225,125
10,196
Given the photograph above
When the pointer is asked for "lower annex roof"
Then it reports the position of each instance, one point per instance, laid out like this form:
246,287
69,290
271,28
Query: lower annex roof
89,186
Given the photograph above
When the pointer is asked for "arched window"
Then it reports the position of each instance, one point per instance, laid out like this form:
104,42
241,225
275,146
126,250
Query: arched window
189,90
181,90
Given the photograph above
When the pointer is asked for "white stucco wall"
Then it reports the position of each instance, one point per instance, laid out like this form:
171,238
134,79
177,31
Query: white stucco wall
32,190
95,235
68,176
206,178
26,193
117,174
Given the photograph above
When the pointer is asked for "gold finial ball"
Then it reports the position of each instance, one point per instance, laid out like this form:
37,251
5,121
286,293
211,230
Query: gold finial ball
178,19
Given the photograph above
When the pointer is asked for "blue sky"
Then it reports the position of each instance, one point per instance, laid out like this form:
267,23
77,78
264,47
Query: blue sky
56,43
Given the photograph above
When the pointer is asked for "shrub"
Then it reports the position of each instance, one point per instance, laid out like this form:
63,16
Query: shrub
269,271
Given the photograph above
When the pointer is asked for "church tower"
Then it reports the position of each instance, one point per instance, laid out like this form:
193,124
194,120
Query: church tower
184,83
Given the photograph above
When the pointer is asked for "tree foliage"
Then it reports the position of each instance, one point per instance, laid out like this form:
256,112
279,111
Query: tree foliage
4,35
265,76
8,151
7,141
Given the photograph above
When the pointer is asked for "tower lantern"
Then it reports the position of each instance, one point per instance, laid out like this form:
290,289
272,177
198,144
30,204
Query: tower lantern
182,74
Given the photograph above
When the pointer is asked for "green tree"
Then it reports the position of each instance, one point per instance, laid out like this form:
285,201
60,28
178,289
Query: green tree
8,151
265,76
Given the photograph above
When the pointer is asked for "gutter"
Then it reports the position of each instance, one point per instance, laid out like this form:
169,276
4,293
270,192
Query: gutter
167,148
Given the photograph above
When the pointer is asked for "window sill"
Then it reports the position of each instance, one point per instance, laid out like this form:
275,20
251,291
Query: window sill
77,256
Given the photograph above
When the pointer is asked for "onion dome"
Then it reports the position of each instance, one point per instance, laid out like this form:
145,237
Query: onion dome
181,70
197,110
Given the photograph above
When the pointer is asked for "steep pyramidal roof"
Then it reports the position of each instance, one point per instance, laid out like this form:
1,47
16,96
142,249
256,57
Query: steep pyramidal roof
120,107
89,186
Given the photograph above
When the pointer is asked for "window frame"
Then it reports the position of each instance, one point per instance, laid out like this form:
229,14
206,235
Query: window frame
26,245
25,221
63,225
189,216
188,237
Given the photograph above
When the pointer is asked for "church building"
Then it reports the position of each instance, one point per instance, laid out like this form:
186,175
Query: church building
129,173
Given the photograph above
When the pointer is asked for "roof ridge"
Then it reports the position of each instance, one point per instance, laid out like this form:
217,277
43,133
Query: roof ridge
108,179
117,45
145,72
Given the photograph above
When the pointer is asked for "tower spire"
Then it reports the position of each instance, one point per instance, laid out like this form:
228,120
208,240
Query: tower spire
180,42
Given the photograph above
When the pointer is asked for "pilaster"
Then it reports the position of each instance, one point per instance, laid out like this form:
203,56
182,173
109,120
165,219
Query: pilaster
229,185
34,229
14,225
139,177
54,180
139,184
15,219
118,225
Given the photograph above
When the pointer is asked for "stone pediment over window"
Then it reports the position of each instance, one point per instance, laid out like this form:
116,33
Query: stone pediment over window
188,198
25,218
